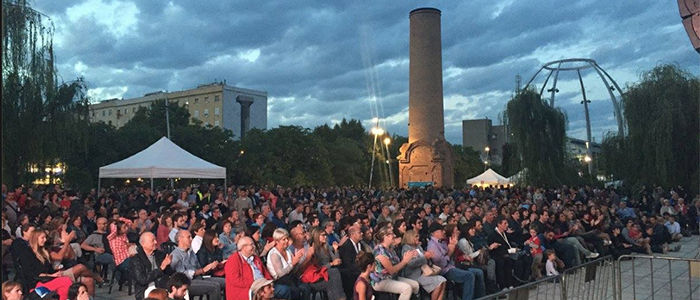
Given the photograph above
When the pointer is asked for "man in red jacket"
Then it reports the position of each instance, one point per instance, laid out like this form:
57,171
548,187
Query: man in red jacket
244,267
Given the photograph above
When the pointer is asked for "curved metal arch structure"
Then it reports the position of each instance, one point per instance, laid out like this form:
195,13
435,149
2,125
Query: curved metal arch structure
578,64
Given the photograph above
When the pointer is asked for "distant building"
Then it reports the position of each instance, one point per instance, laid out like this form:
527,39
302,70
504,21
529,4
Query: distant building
480,134
218,104
577,149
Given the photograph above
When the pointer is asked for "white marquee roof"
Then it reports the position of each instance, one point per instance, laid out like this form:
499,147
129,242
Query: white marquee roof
163,159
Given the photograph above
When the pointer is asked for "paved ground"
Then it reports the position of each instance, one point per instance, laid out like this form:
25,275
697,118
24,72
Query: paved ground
637,280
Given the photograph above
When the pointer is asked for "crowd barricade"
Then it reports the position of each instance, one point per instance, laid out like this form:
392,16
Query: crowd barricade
657,277
592,280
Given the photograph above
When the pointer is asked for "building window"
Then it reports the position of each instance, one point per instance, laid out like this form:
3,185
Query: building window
216,98
206,99
196,101
206,112
104,112
126,111
196,114
110,113
133,110
216,111
216,123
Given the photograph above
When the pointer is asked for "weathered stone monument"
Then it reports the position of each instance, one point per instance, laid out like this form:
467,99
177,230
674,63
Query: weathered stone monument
427,157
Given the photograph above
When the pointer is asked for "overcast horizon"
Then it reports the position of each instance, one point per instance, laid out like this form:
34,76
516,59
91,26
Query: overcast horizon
323,61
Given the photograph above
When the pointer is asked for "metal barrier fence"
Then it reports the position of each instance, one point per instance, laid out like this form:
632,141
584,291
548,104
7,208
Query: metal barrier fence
657,277
592,280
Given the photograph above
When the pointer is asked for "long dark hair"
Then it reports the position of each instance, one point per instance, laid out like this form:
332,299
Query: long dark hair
207,240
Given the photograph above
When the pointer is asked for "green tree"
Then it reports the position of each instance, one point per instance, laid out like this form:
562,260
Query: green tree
29,87
467,164
662,142
539,135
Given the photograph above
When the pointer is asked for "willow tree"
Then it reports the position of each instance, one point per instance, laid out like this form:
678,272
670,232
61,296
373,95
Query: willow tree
33,108
662,145
539,135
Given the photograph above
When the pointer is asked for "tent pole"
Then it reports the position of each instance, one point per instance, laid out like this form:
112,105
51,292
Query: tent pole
151,184
98,187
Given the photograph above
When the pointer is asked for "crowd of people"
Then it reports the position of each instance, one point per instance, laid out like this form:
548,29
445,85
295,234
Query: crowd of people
346,243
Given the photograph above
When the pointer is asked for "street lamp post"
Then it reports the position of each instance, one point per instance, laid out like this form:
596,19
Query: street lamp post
376,131
486,160
387,141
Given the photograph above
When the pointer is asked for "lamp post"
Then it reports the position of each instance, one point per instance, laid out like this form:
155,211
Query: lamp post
387,141
376,131
486,160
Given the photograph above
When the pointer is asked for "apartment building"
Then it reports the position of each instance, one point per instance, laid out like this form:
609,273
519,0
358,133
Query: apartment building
217,104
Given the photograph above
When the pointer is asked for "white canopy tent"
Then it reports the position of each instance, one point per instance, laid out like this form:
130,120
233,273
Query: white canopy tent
163,159
489,177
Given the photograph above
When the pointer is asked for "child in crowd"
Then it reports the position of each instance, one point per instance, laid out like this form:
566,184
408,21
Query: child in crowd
552,263
536,252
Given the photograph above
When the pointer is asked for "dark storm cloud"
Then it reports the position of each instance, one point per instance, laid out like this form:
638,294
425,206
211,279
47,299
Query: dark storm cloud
315,58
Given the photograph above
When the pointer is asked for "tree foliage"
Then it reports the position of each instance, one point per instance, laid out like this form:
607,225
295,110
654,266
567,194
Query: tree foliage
662,118
468,164
539,138
31,103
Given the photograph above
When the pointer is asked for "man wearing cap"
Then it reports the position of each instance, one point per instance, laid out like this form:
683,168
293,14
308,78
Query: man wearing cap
243,268
472,280
262,289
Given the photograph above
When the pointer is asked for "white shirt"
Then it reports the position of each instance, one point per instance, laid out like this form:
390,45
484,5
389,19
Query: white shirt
172,234
286,263
196,243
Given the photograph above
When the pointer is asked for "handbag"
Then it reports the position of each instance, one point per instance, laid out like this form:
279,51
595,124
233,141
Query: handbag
429,270
483,258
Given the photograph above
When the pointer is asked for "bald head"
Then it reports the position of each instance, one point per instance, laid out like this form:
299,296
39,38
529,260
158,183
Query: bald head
148,242
355,233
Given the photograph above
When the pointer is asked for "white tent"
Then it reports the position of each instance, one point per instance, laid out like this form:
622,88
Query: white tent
163,159
489,177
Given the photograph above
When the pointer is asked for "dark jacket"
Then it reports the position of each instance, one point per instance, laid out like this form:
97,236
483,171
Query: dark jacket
141,272
348,254
501,250
206,257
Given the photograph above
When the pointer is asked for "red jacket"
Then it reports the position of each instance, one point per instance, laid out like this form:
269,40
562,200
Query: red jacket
239,275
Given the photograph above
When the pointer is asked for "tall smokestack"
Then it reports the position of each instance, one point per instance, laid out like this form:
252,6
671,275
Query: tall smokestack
427,157
425,116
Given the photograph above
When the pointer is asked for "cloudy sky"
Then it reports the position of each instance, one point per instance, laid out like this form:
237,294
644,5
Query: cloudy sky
321,61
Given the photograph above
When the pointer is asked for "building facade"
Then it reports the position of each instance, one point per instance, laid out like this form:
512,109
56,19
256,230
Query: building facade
218,105
485,138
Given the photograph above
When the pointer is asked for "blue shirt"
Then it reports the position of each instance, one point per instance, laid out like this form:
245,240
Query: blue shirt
185,261
257,274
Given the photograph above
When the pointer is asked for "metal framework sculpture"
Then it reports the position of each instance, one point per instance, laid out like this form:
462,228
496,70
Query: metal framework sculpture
578,64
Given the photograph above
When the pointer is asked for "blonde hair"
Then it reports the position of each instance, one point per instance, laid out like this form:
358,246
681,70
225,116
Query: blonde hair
39,251
279,234
409,238
8,286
